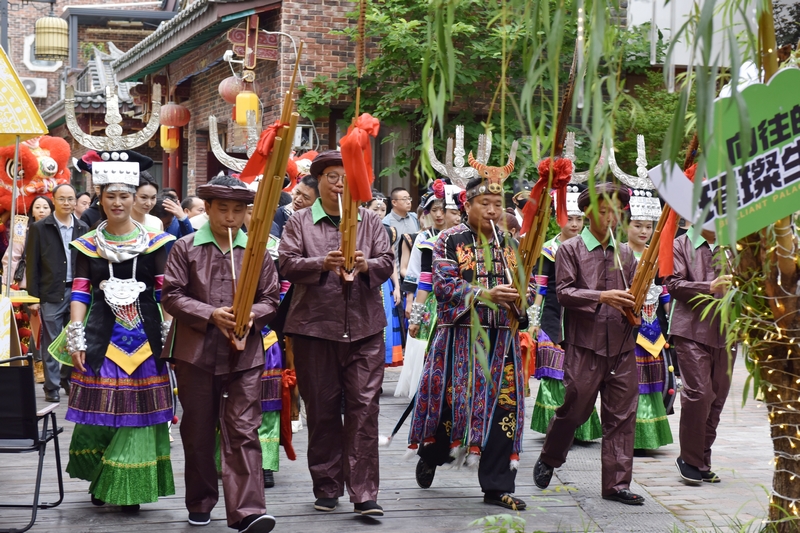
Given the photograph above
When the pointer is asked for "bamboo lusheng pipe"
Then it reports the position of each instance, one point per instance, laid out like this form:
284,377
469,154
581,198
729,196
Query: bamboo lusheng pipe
348,213
265,205
646,270
530,248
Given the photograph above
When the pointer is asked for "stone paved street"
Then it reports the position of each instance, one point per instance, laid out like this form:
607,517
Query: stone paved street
742,456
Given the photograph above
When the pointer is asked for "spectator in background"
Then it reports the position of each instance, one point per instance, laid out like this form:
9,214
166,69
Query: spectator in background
304,194
171,193
178,225
401,217
83,203
50,269
193,206
143,202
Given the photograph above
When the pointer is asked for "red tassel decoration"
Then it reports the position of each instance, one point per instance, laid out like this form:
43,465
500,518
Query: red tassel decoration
357,157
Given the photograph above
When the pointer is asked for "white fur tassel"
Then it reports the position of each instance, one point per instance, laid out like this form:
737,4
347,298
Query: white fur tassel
409,455
473,460
513,465
384,440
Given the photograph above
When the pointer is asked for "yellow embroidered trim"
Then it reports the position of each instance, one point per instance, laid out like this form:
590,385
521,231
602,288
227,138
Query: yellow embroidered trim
509,424
653,348
270,339
129,362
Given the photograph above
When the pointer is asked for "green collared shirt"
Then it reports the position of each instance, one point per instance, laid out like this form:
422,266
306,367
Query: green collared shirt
591,241
318,213
697,239
204,236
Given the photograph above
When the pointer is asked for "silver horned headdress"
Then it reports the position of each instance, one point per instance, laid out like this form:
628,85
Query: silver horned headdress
644,202
454,165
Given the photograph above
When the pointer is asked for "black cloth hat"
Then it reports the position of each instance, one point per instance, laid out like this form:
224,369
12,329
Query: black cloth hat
330,158
607,190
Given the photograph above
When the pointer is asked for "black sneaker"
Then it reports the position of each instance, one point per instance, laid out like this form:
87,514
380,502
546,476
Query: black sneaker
269,479
425,474
199,519
97,501
326,504
368,508
689,473
625,496
257,523
542,474
710,477
51,396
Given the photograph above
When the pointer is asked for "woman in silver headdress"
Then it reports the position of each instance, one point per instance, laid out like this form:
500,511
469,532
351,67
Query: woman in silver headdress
121,397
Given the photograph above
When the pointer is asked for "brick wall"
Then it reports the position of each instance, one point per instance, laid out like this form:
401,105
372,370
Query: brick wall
21,20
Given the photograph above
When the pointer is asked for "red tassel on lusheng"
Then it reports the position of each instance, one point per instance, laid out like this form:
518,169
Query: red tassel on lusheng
666,257
357,157
255,166
288,382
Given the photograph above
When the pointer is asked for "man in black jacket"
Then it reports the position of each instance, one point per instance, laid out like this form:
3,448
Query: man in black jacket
50,267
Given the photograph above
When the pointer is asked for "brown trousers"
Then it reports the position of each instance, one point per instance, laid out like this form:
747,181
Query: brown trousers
586,374
239,416
339,452
706,374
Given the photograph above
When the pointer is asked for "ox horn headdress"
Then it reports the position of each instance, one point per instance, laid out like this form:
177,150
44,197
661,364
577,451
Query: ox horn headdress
644,202
491,178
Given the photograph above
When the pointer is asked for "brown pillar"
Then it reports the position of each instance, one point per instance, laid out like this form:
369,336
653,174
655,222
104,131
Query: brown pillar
176,165
164,169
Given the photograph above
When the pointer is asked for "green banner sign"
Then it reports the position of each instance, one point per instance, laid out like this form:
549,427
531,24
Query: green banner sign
768,171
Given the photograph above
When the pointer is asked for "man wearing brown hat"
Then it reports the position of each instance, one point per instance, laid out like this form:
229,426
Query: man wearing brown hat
337,339
593,271
215,388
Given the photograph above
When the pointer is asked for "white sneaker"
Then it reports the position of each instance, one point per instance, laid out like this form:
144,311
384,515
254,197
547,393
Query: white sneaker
297,425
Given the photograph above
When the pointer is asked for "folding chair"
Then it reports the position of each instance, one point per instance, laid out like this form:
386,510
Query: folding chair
19,428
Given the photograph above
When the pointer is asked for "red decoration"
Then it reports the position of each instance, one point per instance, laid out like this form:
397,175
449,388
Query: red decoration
174,420
671,392
255,165
562,174
229,88
288,382
666,256
174,115
357,157
438,188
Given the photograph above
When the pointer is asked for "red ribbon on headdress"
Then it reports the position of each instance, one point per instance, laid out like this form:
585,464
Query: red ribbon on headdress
666,256
562,174
255,165
357,157
288,382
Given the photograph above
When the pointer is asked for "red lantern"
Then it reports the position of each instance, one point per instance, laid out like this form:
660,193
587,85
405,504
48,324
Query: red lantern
174,115
229,88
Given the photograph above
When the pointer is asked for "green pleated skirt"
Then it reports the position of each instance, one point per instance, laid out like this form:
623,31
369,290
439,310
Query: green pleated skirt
124,466
652,426
549,398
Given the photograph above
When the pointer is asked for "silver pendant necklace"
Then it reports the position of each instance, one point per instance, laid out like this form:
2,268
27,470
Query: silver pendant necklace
122,296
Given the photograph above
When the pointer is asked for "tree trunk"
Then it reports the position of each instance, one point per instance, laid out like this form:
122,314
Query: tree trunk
777,360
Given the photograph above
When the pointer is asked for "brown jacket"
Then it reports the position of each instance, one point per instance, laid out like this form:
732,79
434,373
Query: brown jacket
583,270
317,308
695,269
197,280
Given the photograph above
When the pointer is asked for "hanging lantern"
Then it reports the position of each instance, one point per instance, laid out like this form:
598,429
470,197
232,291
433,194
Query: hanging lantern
174,115
52,39
246,101
229,88
170,139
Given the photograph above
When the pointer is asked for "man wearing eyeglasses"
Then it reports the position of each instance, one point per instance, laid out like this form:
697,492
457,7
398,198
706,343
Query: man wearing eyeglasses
401,217
337,340
50,267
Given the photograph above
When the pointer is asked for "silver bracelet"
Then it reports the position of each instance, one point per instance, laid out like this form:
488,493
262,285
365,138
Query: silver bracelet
76,337
417,310
535,315
165,325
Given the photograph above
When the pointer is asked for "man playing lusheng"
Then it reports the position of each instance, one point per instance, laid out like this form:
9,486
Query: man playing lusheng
338,342
458,413
592,275
706,365
214,388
